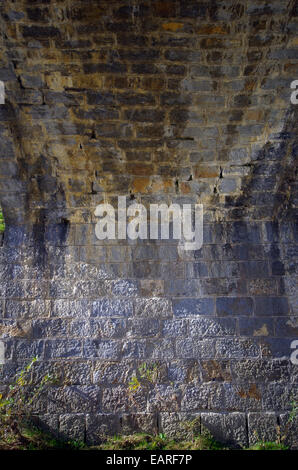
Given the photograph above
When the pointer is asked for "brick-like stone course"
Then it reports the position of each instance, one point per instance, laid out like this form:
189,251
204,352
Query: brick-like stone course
163,102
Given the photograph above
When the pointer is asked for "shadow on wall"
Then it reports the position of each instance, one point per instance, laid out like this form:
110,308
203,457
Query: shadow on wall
270,192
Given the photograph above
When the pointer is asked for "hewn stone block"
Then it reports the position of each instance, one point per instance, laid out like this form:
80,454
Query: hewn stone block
162,102
234,306
190,307
226,428
262,427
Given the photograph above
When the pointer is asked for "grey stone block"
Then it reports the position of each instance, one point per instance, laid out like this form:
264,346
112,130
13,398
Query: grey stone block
229,397
190,307
110,373
195,398
180,425
72,426
254,269
103,349
153,307
183,371
164,398
27,309
183,288
212,370
119,399
243,232
138,422
174,328
99,426
226,428
50,328
71,308
222,286
196,270
234,306
277,348
111,308
226,269
262,427
31,81
143,327
47,422
164,349
262,287
228,185
108,328
260,370
212,327
286,327
27,349
255,326
124,287
70,399
288,430
279,396
135,349
193,348
237,348
63,348
75,372
272,306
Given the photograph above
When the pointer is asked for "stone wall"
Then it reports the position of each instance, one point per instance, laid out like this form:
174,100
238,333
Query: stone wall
160,101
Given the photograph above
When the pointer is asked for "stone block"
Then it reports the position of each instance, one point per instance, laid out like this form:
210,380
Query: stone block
72,427
104,349
234,306
226,428
272,306
111,308
153,307
211,327
99,426
262,427
191,307
238,348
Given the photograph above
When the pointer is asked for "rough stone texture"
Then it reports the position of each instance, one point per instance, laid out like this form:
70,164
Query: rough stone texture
262,427
229,428
160,101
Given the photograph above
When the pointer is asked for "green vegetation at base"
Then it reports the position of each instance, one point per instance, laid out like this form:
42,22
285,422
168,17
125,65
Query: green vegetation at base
31,438
268,446
2,223
160,442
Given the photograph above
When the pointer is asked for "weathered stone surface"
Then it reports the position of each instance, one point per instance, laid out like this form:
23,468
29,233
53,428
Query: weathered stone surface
111,308
234,306
172,102
288,427
260,370
98,426
262,427
119,399
69,399
237,348
63,348
279,396
227,428
104,349
180,425
154,307
190,307
72,426
215,327
47,422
